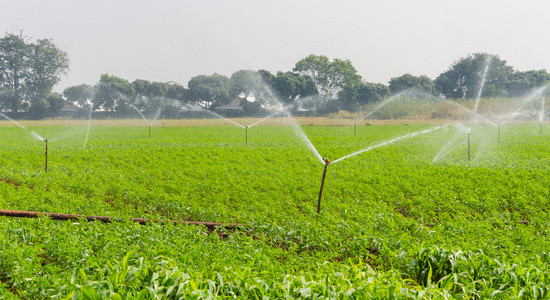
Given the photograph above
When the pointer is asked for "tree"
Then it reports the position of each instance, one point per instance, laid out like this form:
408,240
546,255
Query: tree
176,92
353,98
291,86
113,93
521,83
408,81
254,86
14,57
80,95
464,77
29,70
209,91
46,65
329,77
46,107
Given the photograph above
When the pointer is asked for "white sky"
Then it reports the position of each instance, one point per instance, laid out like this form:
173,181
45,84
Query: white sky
175,40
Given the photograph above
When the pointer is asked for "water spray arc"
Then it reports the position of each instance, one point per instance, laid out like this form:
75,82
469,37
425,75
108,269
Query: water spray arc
149,123
218,116
326,161
378,107
88,129
487,64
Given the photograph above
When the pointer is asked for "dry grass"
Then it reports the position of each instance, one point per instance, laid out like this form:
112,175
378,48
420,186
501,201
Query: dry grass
305,121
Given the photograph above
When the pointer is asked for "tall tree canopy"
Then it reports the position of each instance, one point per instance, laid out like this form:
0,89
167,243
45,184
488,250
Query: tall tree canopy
422,83
113,93
353,98
29,71
520,83
209,91
464,77
328,76
291,86
80,95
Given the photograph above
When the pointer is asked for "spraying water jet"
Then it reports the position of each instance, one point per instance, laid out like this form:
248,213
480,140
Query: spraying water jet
483,78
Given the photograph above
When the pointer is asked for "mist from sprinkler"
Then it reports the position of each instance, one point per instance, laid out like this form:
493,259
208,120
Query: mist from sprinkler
326,161
245,127
378,107
487,64
149,123
89,125
445,150
13,121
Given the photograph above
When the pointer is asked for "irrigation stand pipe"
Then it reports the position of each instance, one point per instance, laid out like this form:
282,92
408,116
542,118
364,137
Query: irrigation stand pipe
355,131
499,133
246,136
322,184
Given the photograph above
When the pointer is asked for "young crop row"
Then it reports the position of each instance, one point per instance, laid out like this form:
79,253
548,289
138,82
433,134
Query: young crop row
393,223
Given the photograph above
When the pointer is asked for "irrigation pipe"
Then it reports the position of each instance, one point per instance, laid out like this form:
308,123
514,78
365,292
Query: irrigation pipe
67,217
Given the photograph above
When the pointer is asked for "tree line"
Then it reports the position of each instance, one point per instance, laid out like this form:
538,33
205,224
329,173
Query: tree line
30,70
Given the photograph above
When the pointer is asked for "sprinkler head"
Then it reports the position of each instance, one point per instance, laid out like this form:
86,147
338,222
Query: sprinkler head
327,161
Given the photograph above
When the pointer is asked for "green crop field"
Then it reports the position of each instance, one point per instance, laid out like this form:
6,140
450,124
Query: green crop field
410,219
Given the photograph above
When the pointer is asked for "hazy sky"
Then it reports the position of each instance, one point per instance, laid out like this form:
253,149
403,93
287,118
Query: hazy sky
171,40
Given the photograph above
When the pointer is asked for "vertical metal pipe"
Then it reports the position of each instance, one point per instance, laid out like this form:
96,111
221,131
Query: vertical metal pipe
246,136
46,168
499,133
322,184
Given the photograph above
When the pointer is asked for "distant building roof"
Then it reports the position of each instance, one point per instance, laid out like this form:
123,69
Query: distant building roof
69,107
235,104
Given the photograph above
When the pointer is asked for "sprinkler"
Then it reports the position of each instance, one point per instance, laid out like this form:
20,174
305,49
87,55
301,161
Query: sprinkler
246,136
499,133
149,130
540,127
46,168
355,126
327,162
469,131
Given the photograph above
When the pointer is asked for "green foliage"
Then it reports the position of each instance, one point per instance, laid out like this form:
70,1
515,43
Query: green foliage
464,77
209,91
79,94
28,71
113,93
354,97
329,77
291,86
393,223
422,83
